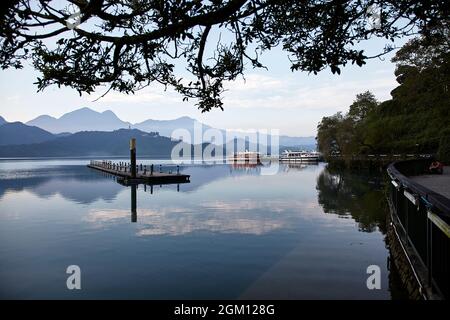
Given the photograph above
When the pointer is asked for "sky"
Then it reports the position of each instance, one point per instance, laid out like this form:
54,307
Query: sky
292,102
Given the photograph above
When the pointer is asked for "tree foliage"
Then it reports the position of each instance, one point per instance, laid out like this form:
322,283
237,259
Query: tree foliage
416,119
130,44
344,134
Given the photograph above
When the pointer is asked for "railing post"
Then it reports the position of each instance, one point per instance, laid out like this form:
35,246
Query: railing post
429,250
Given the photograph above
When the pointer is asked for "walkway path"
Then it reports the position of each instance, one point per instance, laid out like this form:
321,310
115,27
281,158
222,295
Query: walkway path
439,183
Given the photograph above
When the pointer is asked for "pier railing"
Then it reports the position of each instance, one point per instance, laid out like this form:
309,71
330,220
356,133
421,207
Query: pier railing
127,167
421,219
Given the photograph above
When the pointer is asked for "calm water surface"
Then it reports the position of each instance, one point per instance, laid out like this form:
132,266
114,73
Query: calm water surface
232,233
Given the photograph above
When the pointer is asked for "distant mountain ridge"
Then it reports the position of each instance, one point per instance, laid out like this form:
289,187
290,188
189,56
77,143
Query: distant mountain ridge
86,119
166,127
94,143
17,133
20,140
83,119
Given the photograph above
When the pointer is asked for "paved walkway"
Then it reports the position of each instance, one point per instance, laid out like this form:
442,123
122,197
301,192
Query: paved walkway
439,183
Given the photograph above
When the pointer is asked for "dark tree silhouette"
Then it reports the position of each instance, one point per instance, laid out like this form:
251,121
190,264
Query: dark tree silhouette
129,44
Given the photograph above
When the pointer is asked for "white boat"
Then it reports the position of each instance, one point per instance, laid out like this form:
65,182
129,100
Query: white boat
302,155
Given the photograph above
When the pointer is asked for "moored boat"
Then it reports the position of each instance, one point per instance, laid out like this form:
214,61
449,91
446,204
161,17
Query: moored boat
302,155
246,157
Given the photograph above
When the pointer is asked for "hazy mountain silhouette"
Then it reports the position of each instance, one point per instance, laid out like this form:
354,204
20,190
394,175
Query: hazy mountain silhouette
83,119
86,119
94,143
2,121
166,127
16,133
62,134
297,141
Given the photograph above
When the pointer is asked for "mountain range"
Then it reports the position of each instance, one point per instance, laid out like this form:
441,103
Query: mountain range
83,119
85,132
86,119
94,143
14,133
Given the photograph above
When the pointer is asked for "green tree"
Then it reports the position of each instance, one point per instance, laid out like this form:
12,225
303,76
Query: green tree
419,111
364,104
346,134
417,118
327,134
130,44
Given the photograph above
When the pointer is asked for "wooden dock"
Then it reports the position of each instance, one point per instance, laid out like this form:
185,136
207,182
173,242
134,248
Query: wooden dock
143,173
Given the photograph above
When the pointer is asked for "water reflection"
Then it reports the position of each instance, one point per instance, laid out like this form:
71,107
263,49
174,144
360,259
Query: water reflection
74,183
133,204
242,217
359,196
251,235
83,185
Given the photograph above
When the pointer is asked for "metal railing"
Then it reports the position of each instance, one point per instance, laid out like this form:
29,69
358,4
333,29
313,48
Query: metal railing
391,157
422,217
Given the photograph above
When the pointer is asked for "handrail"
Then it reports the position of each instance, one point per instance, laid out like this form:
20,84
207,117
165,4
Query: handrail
423,216
428,197
385,156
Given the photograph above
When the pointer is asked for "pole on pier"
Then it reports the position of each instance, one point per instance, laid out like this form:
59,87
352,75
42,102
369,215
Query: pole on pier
133,157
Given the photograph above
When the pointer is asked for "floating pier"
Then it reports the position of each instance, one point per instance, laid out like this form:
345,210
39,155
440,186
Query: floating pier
142,173
131,173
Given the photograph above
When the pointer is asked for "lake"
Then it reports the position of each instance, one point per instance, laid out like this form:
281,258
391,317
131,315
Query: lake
233,232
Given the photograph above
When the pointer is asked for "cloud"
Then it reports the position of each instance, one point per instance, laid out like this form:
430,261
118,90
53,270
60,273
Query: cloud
13,99
255,82
155,95
287,93
256,91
